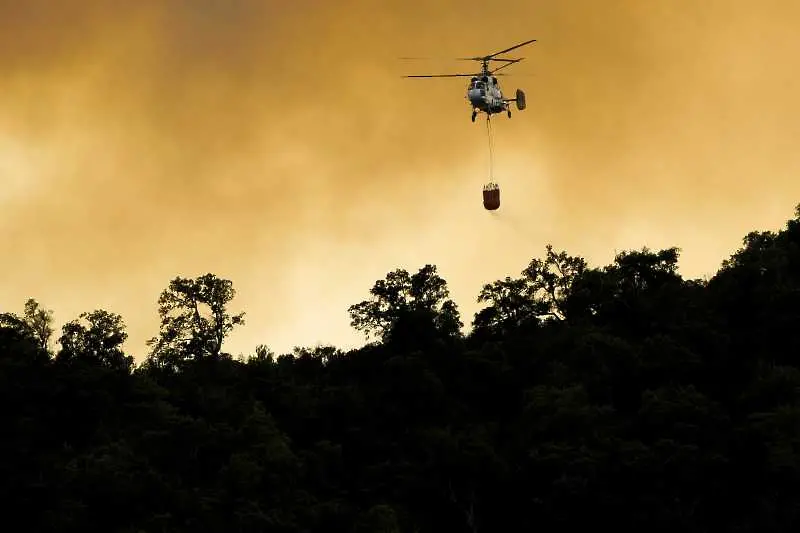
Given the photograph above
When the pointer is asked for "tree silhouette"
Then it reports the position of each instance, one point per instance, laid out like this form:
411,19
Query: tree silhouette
401,299
98,337
36,322
540,294
194,318
549,280
512,307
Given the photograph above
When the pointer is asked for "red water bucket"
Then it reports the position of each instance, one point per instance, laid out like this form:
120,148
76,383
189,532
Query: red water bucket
491,196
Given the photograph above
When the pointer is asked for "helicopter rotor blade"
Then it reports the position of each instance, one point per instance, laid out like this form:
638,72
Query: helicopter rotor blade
460,75
442,76
509,49
484,60
508,64
499,59
428,58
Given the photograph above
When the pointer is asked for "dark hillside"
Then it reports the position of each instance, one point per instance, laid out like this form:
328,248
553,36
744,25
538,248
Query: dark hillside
621,397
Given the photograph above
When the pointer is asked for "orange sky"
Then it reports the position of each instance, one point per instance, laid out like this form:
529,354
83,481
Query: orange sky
275,144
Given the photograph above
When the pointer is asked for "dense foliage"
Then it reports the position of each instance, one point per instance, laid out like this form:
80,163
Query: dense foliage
621,397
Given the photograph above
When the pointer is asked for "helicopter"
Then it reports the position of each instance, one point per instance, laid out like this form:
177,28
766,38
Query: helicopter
483,92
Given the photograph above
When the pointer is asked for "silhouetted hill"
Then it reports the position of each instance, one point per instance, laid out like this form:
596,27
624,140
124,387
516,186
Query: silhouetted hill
621,397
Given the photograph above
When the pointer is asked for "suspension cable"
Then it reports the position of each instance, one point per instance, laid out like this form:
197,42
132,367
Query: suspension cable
491,146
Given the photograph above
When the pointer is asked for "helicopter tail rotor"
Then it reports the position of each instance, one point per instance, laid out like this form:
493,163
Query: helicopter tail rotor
520,99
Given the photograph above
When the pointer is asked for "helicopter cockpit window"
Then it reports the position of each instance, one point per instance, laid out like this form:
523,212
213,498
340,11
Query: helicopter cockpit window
494,80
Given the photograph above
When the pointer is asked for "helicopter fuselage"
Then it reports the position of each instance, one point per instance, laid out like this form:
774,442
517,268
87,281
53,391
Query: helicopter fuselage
484,94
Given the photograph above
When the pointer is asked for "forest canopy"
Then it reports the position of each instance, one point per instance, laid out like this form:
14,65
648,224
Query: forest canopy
616,396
